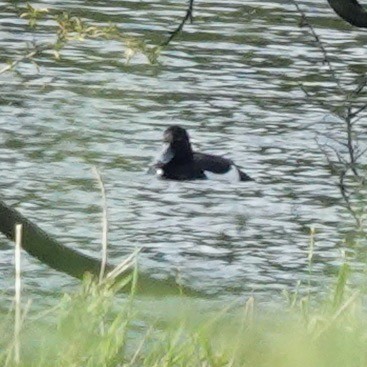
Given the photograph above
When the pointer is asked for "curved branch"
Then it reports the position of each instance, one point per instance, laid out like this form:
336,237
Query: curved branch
41,245
351,11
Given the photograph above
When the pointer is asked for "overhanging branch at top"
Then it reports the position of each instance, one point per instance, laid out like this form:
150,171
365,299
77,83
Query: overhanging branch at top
351,11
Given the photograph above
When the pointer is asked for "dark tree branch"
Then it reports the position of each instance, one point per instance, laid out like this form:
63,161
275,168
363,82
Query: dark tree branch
351,11
40,245
51,252
188,16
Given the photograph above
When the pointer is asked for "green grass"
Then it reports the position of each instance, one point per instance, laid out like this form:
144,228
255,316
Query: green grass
95,327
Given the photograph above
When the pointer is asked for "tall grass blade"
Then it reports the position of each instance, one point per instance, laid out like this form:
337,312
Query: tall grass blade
340,287
17,300
104,224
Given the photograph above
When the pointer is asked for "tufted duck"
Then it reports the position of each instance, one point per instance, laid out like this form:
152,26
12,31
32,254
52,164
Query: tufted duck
179,162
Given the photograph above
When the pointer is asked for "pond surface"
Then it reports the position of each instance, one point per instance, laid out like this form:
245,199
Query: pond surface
232,79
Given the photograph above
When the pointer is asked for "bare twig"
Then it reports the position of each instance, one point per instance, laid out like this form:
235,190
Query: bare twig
350,144
347,200
28,56
342,174
331,164
326,59
36,50
361,86
104,224
358,111
188,16
310,96
314,100
361,153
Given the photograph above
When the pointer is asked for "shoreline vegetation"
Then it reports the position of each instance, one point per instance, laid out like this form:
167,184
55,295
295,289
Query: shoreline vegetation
95,326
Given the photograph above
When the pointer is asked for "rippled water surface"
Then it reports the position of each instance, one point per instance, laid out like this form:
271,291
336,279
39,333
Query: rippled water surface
232,79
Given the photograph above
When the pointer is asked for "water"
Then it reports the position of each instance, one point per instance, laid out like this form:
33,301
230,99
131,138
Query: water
232,79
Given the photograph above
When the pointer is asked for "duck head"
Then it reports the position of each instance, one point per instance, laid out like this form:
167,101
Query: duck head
177,146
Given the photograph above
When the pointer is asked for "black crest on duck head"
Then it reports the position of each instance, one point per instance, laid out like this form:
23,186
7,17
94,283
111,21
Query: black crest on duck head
179,141
175,133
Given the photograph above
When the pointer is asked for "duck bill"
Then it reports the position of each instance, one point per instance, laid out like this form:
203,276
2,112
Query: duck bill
166,155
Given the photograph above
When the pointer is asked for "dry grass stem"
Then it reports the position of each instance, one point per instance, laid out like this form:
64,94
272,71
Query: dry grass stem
338,313
104,224
126,264
17,322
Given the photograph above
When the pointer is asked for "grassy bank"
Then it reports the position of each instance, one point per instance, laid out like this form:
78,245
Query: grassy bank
94,327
